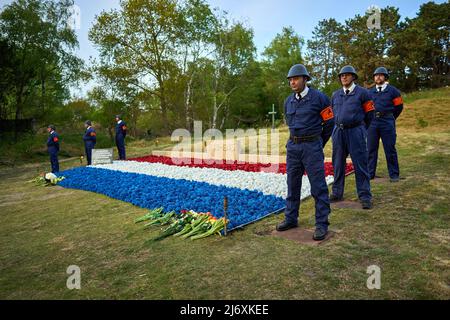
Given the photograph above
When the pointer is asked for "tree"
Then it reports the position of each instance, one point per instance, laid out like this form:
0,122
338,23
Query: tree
7,64
323,56
233,52
106,105
367,49
137,45
283,52
407,56
434,21
37,35
196,44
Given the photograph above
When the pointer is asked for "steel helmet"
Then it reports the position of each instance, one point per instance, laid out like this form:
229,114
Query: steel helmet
349,69
51,127
298,70
382,70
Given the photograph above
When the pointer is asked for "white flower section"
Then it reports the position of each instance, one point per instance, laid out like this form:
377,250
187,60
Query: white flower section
266,182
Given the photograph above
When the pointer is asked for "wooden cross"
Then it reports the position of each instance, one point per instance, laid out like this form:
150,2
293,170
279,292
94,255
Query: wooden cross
273,113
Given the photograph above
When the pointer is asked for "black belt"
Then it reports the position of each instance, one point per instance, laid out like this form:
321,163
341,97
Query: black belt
349,126
384,114
296,139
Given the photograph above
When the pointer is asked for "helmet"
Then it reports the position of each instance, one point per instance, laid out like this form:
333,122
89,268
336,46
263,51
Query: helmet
382,70
349,69
298,70
51,127
88,122
118,116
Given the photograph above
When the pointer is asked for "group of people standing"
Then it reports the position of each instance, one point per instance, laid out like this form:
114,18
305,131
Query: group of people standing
89,139
355,118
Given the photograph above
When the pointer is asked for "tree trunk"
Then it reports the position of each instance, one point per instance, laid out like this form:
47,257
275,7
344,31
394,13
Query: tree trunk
215,111
164,116
19,107
42,91
187,104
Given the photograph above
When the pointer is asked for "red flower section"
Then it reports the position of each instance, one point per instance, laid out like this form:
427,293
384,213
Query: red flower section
244,166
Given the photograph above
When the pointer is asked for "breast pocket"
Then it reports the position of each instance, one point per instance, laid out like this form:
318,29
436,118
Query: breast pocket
290,115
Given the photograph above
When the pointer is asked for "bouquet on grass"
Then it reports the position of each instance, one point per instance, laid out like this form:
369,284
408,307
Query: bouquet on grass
187,224
47,179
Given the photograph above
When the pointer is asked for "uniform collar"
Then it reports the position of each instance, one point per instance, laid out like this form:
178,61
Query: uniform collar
383,87
352,87
53,131
303,93
119,122
88,127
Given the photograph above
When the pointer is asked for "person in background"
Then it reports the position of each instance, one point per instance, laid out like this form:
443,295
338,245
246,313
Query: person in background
121,133
353,111
89,138
388,107
53,147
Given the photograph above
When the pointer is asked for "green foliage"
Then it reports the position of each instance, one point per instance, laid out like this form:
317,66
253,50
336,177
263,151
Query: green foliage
39,65
283,52
323,54
165,63
414,50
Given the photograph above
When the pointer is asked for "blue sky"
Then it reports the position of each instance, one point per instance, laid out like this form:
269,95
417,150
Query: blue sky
265,17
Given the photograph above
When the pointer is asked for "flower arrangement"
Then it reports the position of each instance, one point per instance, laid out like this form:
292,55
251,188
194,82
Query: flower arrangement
226,165
187,224
171,188
47,179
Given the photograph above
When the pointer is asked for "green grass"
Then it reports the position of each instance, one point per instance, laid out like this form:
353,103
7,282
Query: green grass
427,94
43,230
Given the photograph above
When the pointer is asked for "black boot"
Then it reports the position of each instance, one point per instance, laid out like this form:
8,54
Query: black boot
334,198
366,204
319,234
283,226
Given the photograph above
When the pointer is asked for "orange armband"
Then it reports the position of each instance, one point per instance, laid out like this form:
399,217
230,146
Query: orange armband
397,101
327,113
368,106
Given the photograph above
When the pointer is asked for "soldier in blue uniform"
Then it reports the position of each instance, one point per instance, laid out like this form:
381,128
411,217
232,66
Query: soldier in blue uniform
388,106
53,147
353,111
89,138
310,119
121,132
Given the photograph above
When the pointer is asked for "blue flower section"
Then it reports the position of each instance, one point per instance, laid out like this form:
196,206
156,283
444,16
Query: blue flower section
244,206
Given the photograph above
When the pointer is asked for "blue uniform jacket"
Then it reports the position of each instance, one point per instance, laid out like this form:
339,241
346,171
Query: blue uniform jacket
310,116
53,142
389,100
90,136
121,129
356,107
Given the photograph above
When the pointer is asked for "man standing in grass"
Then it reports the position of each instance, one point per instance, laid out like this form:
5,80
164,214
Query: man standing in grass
53,147
89,138
310,119
388,107
121,133
353,109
